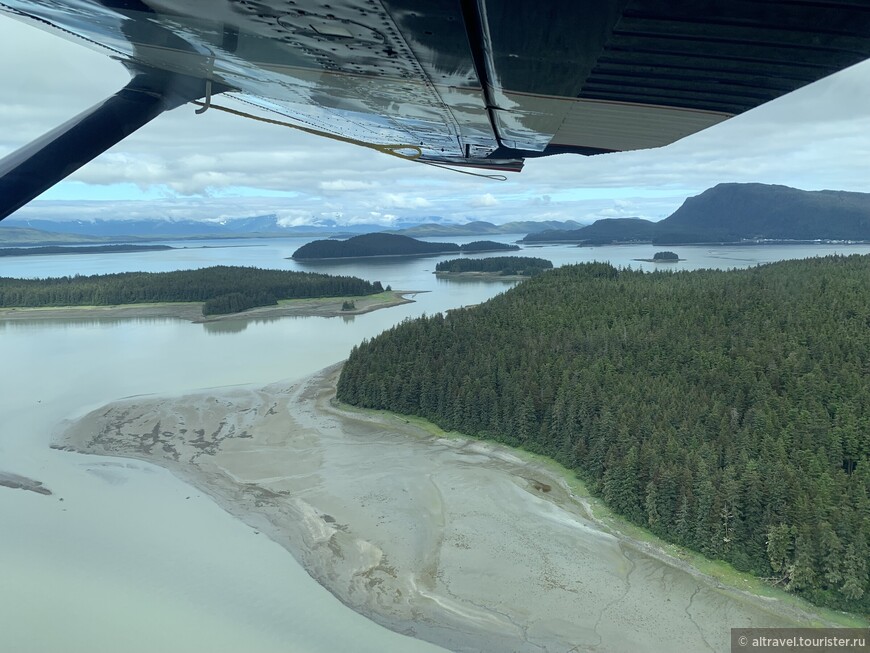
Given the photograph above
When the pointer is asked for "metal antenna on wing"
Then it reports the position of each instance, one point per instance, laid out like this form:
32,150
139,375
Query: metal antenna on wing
392,150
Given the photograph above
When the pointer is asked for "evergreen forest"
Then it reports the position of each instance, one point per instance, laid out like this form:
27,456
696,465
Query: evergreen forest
725,411
223,289
487,246
503,265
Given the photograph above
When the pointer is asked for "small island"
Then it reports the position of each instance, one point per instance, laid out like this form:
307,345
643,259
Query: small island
662,257
207,293
488,246
367,245
496,266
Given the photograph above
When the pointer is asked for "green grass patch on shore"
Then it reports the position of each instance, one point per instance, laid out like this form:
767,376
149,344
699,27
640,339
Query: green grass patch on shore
387,295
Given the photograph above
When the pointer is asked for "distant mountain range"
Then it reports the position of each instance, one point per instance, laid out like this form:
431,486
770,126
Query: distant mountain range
11,236
607,230
261,225
730,213
19,231
723,214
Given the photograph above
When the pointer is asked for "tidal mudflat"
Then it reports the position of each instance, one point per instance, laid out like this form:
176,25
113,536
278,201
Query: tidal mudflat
456,542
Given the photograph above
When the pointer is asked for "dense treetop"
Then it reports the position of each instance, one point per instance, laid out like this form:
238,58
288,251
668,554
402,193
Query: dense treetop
505,265
225,289
371,245
727,411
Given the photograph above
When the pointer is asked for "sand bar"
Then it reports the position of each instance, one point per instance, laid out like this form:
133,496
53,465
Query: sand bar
458,542
17,482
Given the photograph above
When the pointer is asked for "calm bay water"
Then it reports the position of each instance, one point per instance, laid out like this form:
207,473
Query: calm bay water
125,557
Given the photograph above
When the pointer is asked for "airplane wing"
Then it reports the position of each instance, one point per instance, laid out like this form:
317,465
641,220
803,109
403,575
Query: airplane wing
481,83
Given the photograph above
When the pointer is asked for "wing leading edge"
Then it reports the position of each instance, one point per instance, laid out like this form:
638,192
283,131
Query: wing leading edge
485,83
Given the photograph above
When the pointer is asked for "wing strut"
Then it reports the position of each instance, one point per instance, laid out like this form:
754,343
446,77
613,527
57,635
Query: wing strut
34,168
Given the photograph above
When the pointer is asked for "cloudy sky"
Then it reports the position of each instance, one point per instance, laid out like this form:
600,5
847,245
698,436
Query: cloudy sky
216,166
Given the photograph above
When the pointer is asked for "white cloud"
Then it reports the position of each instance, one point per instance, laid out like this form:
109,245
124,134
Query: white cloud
487,199
400,201
293,218
346,184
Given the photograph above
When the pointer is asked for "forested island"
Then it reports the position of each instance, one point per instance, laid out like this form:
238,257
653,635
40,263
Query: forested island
662,257
488,246
221,289
726,411
526,266
371,245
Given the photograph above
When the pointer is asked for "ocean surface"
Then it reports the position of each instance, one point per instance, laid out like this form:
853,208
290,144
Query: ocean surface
122,555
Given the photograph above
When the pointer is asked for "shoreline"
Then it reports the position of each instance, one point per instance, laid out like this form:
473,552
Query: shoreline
464,543
717,572
192,311
711,243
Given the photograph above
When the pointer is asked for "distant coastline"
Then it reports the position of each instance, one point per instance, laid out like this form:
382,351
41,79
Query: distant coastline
92,249
710,243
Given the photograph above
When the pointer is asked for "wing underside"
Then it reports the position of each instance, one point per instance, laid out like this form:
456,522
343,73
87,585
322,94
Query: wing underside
485,83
